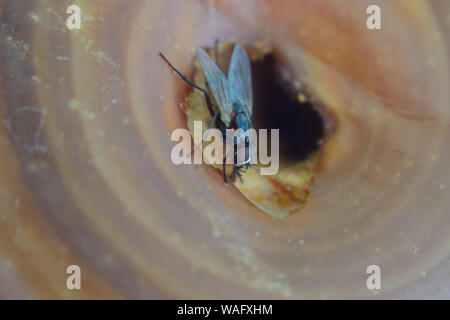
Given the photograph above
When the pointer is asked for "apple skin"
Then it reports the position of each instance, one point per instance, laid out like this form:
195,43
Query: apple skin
98,188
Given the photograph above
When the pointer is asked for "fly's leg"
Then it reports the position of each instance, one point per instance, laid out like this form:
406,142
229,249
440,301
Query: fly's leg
224,164
213,113
233,175
224,171
236,172
240,176
207,98
206,133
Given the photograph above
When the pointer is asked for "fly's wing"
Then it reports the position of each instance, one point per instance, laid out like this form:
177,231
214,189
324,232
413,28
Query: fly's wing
218,84
240,78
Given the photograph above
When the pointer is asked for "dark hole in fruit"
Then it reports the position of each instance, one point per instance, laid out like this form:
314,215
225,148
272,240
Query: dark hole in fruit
277,106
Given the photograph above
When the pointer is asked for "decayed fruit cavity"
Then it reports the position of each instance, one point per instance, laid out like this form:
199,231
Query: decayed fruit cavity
278,104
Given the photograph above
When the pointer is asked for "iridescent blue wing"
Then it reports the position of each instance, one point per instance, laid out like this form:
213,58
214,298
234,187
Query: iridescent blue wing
218,84
240,78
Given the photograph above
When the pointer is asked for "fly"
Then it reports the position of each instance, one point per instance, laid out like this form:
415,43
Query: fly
233,96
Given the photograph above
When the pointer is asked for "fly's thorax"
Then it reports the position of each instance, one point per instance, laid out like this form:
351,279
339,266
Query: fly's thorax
240,119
